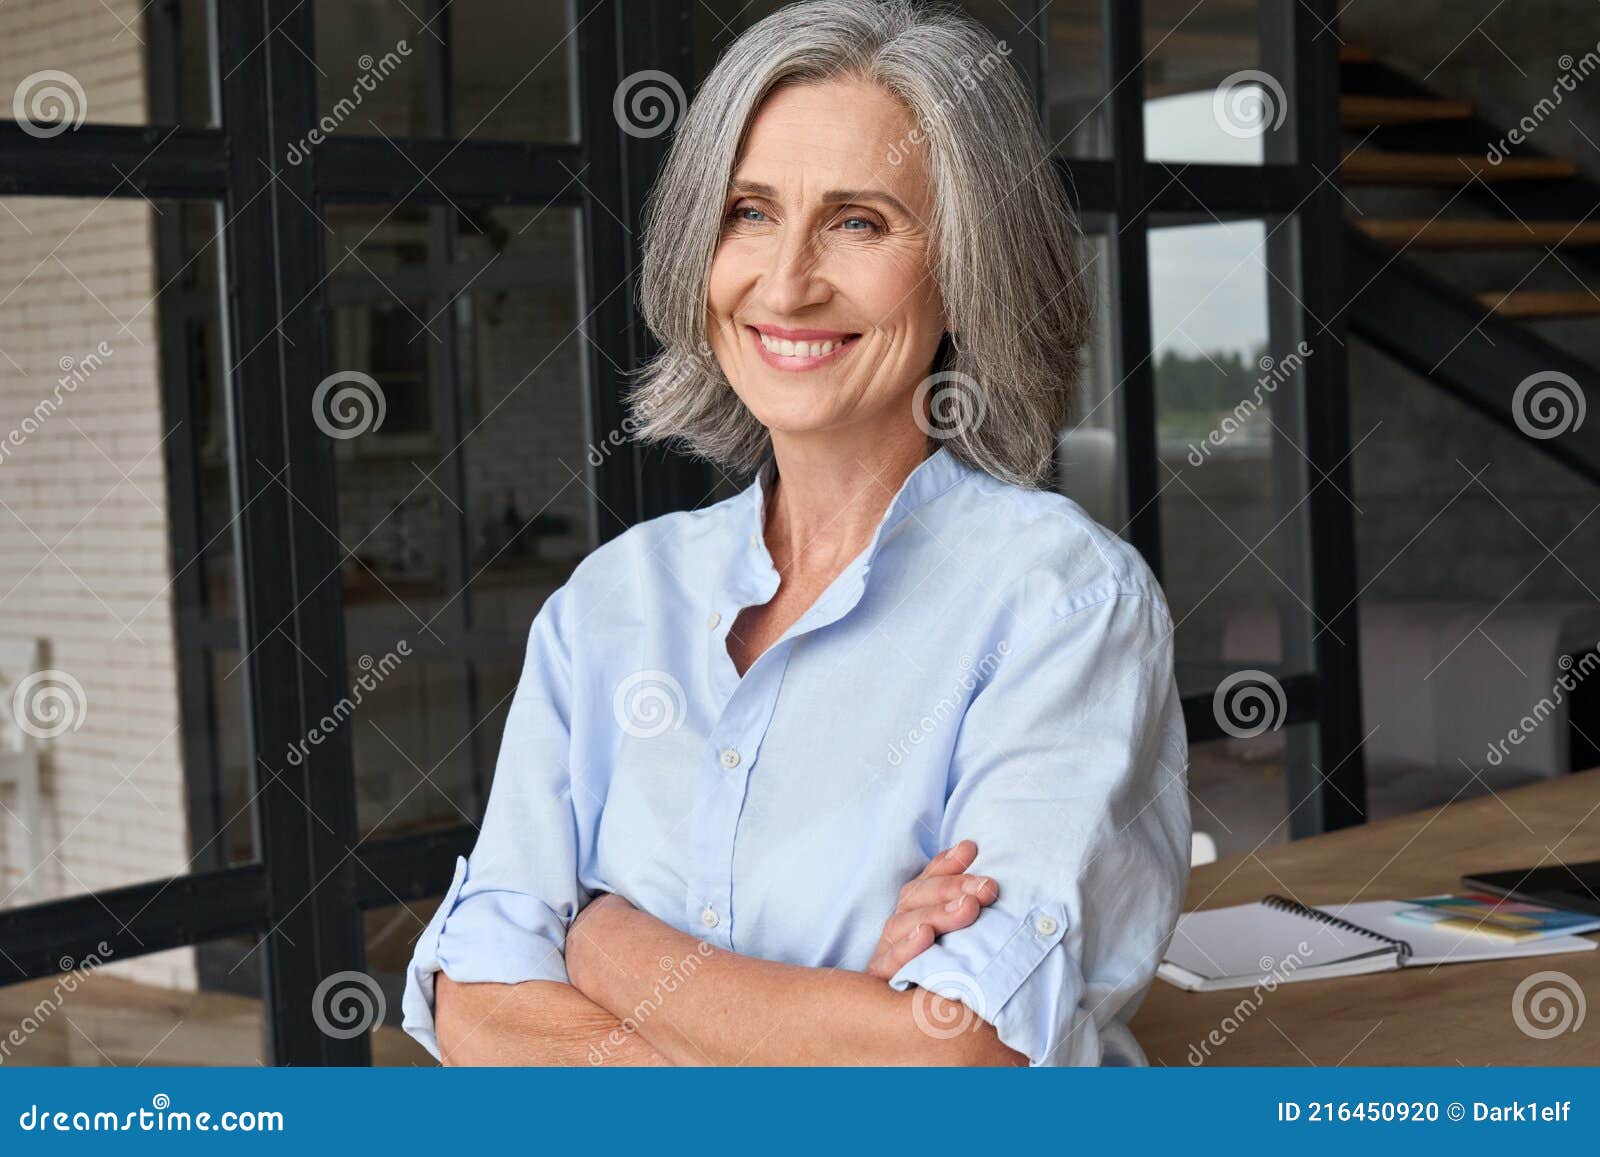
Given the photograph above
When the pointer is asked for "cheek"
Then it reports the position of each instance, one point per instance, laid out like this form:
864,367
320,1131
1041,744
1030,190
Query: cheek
896,289
718,295
735,269
722,298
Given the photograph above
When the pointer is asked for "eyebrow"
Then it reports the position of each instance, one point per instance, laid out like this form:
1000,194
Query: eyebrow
831,197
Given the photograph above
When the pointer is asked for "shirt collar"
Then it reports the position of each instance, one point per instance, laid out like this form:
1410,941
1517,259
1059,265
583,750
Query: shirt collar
932,476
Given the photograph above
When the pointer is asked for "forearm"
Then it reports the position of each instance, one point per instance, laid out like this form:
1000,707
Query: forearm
730,1009
536,1023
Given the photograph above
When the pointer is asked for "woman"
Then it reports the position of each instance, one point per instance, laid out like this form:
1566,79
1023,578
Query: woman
742,732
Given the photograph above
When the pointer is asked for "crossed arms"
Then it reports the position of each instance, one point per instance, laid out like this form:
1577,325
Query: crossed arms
1084,818
723,1008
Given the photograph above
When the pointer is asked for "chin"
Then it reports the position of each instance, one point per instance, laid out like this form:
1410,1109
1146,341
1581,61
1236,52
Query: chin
801,411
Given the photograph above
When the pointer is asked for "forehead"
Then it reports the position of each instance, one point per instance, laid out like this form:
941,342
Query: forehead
851,133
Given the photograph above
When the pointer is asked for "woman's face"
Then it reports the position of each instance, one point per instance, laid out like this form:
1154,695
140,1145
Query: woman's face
822,309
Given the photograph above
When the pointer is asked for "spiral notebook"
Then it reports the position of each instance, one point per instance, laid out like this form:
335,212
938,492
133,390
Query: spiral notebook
1281,939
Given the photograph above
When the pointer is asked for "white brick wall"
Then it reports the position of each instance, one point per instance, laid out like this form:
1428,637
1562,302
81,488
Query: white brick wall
72,272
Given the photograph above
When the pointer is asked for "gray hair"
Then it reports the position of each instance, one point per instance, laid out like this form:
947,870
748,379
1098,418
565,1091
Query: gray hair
1005,240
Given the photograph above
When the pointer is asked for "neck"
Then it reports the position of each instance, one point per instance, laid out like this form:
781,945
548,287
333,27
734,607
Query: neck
831,492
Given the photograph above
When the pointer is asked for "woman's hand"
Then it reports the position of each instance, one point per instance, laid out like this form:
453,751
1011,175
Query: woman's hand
941,899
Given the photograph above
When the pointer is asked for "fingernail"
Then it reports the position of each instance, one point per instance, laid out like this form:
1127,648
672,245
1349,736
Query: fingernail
955,904
977,884
915,932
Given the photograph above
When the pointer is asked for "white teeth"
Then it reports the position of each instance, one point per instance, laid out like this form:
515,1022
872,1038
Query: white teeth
797,349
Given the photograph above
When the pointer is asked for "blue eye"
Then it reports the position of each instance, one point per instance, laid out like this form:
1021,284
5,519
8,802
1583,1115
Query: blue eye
868,225
750,215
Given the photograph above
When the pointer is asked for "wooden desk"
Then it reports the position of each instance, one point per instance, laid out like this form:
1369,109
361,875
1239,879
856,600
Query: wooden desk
1445,1015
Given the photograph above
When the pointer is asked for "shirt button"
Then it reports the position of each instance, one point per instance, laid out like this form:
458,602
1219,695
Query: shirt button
730,758
1045,926
712,620
755,540
709,918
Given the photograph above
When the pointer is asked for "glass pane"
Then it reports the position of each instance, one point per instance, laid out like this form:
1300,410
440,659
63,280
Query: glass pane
1238,787
120,723
1228,376
149,1011
72,62
1479,614
522,371
1022,41
229,752
1090,453
717,23
382,66
1207,96
391,935
464,494
1077,110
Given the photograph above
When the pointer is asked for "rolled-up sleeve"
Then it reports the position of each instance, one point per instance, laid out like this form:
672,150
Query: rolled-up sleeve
504,917
1069,772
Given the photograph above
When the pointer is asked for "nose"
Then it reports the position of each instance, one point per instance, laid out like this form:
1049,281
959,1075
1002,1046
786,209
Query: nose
793,281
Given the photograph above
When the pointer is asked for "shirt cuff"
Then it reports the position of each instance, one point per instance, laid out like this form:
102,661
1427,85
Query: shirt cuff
1003,969
496,937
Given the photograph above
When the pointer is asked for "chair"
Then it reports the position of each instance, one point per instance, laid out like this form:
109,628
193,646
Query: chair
19,760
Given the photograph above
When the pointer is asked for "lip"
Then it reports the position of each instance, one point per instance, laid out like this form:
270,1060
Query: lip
780,362
787,334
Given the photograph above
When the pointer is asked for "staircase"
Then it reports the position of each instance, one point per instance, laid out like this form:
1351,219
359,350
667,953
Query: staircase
1467,256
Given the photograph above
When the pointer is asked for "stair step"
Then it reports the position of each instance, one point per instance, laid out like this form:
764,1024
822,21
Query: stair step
1567,303
1374,167
1419,233
1364,112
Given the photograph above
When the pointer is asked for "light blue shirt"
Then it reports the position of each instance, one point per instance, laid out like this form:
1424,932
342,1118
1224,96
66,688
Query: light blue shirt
993,666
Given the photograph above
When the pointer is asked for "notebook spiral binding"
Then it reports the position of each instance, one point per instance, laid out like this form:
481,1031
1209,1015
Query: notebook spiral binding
1285,903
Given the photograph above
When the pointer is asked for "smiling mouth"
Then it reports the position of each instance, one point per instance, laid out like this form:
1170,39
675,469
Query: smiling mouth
800,355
